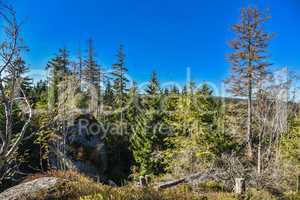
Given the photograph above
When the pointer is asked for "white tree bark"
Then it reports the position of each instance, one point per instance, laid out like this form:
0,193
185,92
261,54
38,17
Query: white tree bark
240,186
10,49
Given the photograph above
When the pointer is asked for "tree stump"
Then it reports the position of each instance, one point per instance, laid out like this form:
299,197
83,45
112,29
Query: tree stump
240,186
143,182
148,180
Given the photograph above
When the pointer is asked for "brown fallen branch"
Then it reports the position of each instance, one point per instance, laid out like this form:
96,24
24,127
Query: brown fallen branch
171,183
188,180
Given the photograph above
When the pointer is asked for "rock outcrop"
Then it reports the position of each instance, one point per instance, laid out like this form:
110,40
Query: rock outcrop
26,190
82,149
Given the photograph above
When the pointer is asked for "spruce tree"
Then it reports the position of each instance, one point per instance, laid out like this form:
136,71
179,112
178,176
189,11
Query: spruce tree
91,75
108,97
80,66
58,69
153,93
17,71
166,91
120,84
134,105
148,140
174,89
119,75
153,87
249,62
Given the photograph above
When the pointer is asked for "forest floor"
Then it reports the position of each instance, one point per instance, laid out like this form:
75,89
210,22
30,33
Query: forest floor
73,186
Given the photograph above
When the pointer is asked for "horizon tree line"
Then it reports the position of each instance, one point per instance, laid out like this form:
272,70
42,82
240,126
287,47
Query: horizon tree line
193,132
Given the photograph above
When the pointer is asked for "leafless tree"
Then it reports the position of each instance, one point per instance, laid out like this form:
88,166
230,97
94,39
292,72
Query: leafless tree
273,106
11,94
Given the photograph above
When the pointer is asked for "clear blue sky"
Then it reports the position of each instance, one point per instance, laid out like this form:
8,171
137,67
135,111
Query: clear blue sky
162,35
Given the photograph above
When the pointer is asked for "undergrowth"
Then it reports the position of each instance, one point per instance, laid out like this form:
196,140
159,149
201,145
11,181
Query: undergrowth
78,187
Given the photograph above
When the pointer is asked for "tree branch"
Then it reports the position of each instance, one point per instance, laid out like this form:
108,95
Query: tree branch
19,139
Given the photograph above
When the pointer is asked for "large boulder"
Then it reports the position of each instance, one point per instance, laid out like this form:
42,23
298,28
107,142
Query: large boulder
28,189
82,149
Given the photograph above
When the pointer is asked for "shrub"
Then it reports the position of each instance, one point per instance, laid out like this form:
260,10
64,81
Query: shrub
253,194
75,186
211,186
183,192
293,196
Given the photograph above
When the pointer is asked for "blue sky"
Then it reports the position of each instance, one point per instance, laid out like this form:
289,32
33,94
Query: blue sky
163,35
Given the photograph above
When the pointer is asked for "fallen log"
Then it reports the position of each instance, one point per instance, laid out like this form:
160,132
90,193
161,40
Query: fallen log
171,183
198,177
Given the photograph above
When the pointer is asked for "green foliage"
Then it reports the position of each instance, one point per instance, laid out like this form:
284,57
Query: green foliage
58,70
291,142
197,119
133,109
91,73
145,145
153,86
147,141
120,80
253,194
168,130
108,97
211,186
17,72
289,154
292,196
42,138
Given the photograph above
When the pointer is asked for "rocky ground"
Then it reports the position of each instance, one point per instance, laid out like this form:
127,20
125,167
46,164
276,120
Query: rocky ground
28,188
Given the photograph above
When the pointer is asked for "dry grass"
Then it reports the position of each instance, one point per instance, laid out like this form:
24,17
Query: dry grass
74,186
79,187
134,193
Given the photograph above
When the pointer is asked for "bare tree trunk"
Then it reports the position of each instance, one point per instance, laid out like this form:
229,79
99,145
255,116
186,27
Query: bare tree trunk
10,49
240,187
249,122
259,160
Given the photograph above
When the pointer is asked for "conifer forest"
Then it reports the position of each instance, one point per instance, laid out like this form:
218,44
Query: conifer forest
89,131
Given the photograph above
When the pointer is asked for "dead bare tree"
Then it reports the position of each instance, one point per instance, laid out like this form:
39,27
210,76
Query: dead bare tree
271,112
249,60
11,94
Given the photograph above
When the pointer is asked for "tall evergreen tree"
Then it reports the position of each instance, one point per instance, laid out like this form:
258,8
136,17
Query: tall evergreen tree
80,65
119,84
17,71
248,61
58,69
148,141
174,89
153,87
119,75
108,97
134,105
153,92
91,74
